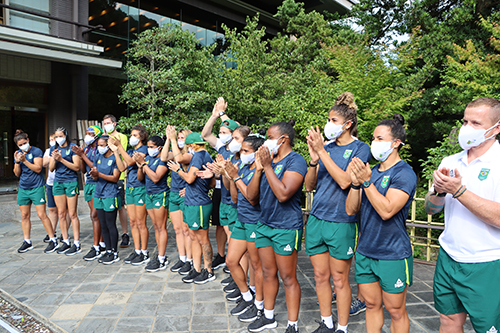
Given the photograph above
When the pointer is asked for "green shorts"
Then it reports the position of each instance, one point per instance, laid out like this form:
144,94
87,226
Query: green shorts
175,202
227,215
472,288
36,195
339,239
136,196
68,189
107,204
158,200
197,217
393,275
88,191
244,231
283,241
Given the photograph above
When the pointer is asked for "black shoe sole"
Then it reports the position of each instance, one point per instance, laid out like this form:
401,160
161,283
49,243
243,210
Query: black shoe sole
228,291
62,252
358,312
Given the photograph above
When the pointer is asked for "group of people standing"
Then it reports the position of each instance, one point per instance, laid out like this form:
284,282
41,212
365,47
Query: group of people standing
357,210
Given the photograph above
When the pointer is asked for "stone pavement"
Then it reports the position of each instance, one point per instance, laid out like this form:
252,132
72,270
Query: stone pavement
82,296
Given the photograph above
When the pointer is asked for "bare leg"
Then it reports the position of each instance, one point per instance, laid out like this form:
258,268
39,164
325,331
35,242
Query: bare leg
122,214
134,226
96,224
204,241
196,250
42,215
287,266
221,238
270,276
62,209
322,276
235,252
452,323
26,220
73,215
54,217
187,241
372,292
396,305
176,218
340,274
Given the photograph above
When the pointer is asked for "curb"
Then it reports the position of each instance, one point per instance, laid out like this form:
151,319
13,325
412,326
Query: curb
53,327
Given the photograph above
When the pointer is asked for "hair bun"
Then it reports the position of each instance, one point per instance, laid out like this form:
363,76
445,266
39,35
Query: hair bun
18,131
347,98
399,118
291,122
262,132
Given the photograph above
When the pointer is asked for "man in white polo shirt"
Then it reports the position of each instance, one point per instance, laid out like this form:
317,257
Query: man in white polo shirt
467,184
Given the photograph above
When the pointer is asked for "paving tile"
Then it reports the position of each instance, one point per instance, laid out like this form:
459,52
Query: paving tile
426,296
134,325
68,325
120,287
81,298
139,310
45,310
209,296
177,296
71,311
176,286
174,309
149,286
101,325
113,298
50,299
421,310
127,278
98,278
208,323
91,288
30,289
214,308
145,298
61,287
106,310
172,324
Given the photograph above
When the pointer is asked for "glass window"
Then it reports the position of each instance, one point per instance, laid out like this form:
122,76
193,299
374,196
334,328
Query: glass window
27,21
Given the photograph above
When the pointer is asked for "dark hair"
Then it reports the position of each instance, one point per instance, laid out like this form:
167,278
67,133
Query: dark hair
256,140
109,116
347,108
157,140
286,128
396,126
20,134
142,133
62,129
244,130
104,137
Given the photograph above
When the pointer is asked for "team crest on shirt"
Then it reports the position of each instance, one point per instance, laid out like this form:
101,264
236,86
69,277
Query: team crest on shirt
483,174
385,181
30,156
155,162
249,176
492,330
347,153
110,162
278,169
99,161
67,151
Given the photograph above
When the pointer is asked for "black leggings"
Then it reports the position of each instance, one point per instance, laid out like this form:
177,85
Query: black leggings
108,228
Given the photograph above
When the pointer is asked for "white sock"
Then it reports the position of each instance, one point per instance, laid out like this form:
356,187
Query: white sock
54,239
28,241
102,244
269,313
144,252
328,321
259,304
252,288
96,247
247,296
182,258
190,260
292,323
161,259
77,243
342,328
138,252
66,241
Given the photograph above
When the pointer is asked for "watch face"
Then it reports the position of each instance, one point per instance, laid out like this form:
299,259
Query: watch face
366,183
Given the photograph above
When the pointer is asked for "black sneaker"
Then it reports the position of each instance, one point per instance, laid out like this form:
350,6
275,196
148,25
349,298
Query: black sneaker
250,315
185,269
155,265
110,258
291,329
323,328
61,239
242,307
190,277
92,254
218,262
74,250
261,323
63,248
104,256
102,249
131,257
177,266
204,277
231,287
140,259
51,247
125,241
234,296
25,247
227,281
47,238
226,270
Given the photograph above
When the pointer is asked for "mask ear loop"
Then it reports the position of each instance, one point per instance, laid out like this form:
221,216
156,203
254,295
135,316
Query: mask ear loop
489,129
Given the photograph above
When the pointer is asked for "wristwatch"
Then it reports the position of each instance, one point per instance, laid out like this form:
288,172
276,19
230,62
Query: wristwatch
221,113
367,183
311,164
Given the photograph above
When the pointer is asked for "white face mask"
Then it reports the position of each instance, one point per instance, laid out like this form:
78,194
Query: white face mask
61,141
89,139
470,137
234,146
273,146
180,143
25,147
191,150
153,151
225,138
103,150
333,131
134,141
247,159
109,128
52,143
381,149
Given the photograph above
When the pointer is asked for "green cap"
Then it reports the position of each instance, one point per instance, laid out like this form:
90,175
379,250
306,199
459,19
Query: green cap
194,138
231,124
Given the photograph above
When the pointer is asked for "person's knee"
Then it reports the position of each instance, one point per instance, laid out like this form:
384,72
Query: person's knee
452,323
41,215
25,216
397,313
289,280
340,281
321,276
373,303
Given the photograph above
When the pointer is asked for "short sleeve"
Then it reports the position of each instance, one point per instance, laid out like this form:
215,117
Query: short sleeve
197,162
298,164
123,140
37,153
405,180
364,153
47,153
218,145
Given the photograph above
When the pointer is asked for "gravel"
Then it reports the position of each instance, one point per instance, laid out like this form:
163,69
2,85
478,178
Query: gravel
20,319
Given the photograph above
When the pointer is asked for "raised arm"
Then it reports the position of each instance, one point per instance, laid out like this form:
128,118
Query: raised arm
178,156
311,178
353,200
206,133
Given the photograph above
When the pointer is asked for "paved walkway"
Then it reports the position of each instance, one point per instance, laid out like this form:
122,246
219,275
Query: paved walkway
82,296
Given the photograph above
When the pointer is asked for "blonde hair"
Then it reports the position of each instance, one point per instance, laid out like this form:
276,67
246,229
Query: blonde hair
347,108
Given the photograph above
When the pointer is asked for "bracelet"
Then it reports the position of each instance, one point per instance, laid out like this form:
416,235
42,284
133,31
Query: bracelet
355,187
312,165
143,164
440,195
179,170
461,186
236,179
177,155
460,191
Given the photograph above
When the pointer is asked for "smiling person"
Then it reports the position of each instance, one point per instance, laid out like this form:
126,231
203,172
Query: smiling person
467,186
28,167
155,171
66,163
277,185
331,234
382,195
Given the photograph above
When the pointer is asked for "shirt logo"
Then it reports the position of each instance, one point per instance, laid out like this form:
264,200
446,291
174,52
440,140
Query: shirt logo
155,162
99,161
483,174
250,176
492,330
30,156
350,251
288,248
41,200
73,192
399,284
67,151
278,169
385,181
140,201
111,207
195,225
347,153
110,162
157,204
253,235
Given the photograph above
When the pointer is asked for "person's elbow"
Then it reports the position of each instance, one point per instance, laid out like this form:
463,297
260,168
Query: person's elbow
283,197
344,185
